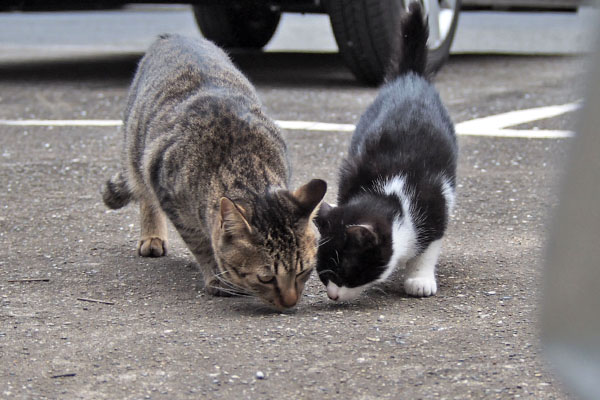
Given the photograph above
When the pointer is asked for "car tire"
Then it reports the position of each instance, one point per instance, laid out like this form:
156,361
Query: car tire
235,25
365,30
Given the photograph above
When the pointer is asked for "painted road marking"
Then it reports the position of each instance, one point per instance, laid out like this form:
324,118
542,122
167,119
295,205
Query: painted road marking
491,126
494,125
291,125
61,122
315,126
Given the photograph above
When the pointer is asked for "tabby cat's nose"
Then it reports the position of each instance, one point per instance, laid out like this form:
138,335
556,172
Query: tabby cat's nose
289,298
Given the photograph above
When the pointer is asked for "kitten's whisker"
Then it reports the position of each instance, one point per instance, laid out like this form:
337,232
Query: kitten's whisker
326,271
321,243
380,290
337,255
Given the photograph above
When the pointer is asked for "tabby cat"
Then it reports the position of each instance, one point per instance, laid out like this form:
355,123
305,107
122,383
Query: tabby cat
397,183
199,150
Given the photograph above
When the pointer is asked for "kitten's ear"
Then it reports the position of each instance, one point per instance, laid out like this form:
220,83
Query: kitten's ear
325,209
362,236
310,195
323,213
232,217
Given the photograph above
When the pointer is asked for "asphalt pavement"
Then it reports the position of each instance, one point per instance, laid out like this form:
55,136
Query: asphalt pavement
83,317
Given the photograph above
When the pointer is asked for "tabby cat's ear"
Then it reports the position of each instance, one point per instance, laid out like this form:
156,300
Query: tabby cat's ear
233,218
309,196
362,236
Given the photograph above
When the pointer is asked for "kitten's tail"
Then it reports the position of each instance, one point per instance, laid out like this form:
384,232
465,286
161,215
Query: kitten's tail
410,54
116,193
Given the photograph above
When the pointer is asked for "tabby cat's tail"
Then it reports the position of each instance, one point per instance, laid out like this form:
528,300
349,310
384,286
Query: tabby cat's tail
116,193
410,54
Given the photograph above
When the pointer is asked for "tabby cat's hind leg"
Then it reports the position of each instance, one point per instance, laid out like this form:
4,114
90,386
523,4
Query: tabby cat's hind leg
153,240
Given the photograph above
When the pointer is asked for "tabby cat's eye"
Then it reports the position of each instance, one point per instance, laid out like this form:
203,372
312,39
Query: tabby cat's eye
266,281
303,274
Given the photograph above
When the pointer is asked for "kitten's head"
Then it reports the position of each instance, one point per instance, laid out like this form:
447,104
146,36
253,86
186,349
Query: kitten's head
355,248
268,247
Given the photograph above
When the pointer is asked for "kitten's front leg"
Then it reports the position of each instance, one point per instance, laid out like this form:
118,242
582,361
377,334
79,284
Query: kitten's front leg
420,279
153,240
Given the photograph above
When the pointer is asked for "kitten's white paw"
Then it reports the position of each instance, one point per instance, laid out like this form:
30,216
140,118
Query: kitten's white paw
420,287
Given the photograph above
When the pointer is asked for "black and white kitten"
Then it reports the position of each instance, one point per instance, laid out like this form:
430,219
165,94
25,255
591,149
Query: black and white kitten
396,185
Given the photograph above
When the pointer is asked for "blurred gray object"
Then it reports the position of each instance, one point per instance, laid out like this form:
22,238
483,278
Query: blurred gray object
571,297
518,5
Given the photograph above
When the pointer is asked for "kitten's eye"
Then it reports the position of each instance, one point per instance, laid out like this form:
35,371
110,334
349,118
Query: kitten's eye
266,281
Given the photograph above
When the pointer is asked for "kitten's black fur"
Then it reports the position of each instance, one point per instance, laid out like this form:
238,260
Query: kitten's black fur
400,170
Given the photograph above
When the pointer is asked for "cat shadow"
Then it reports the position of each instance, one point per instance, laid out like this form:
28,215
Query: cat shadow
295,69
254,307
171,278
115,69
267,69
176,278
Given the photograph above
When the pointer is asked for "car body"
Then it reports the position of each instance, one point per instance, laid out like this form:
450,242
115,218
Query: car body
365,30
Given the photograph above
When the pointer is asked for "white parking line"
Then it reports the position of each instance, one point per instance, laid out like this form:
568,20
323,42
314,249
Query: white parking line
491,126
61,122
518,133
494,125
315,126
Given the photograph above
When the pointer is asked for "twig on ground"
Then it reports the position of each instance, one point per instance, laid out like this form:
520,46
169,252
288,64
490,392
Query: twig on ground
63,375
110,303
25,280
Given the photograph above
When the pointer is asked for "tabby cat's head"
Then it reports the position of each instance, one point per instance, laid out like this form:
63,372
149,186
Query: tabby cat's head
268,247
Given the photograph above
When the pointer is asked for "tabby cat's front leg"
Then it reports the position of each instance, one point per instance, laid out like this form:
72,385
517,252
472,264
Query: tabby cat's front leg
214,284
153,240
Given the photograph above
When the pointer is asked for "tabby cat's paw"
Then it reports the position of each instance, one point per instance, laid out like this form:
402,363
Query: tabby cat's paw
420,287
152,247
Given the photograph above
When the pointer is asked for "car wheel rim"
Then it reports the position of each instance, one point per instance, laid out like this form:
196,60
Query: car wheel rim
440,16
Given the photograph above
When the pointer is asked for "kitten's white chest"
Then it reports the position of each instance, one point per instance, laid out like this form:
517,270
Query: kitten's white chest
404,233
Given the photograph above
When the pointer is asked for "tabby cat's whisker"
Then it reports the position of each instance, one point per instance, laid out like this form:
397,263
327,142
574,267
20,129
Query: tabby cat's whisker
227,287
234,293
232,286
